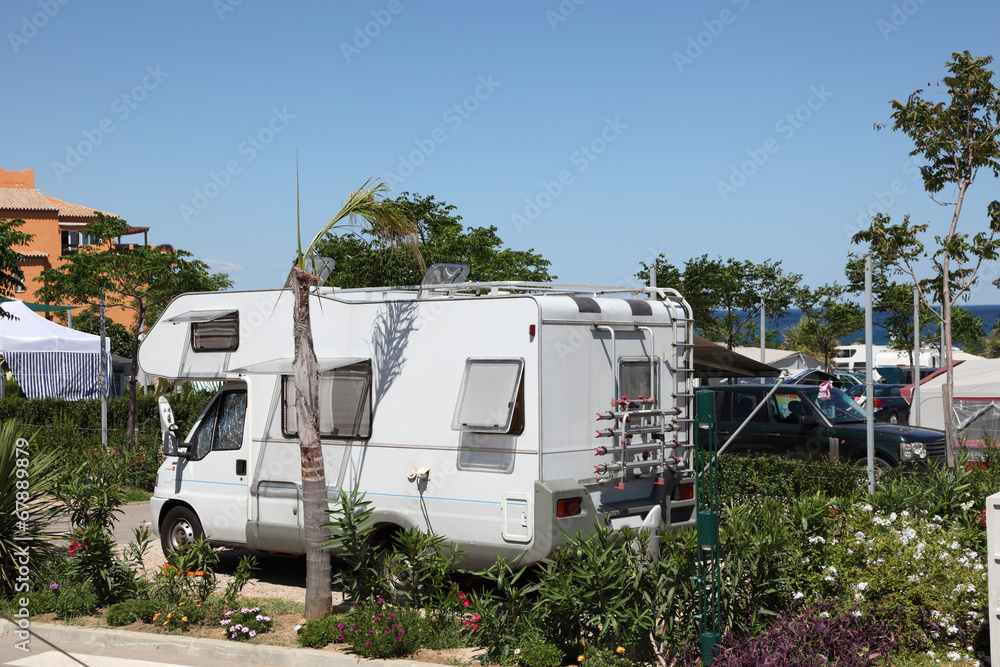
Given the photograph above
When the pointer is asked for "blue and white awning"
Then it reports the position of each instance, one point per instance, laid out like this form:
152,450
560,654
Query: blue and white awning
69,375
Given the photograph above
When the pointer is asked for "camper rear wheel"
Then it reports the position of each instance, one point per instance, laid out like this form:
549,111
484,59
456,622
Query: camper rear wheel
180,526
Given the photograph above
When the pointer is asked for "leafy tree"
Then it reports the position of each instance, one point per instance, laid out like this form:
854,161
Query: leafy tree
385,221
725,295
366,261
956,139
140,278
120,337
826,317
11,275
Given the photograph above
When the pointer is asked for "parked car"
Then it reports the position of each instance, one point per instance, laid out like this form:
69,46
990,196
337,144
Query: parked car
840,379
889,404
795,421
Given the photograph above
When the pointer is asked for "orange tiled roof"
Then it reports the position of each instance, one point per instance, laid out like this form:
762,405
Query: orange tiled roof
25,200
74,210
35,200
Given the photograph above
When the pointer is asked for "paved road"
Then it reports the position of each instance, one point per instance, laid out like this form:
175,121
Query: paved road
134,515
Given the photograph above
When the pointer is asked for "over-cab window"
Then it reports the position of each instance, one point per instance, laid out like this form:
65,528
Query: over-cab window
221,334
221,424
491,399
345,410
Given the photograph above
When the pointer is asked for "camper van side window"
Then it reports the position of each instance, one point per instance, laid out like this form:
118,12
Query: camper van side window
221,425
634,378
218,335
344,403
489,400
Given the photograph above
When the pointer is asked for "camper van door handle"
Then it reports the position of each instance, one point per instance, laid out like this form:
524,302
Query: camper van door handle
241,467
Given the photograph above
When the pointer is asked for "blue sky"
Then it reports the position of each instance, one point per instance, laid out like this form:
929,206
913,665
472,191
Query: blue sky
599,134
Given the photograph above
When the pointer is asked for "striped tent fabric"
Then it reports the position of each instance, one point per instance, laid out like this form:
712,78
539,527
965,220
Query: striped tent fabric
70,375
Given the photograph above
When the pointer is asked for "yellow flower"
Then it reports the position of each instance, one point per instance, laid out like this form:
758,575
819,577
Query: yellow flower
184,618
579,659
164,622
180,604
620,649
156,616
170,615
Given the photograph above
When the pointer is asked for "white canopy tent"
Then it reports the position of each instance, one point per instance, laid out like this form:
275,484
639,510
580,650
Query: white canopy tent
975,403
48,359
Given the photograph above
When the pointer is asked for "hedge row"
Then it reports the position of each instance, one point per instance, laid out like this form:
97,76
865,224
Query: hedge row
74,427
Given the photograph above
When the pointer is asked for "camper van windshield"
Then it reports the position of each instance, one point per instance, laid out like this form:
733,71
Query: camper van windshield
221,426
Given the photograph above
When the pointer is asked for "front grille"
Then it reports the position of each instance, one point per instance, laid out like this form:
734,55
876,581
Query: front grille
936,450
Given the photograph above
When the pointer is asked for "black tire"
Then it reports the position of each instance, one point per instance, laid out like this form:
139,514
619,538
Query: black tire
893,417
180,525
881,464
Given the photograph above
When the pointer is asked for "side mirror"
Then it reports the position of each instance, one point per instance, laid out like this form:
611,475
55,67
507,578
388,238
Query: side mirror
168,429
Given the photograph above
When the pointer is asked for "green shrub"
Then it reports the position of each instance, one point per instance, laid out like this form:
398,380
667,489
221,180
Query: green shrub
319,632
76,599
136,610
375,630
753,478
538,652
179,615
27,479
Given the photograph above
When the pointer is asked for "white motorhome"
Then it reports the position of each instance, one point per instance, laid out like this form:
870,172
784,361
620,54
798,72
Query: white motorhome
497,415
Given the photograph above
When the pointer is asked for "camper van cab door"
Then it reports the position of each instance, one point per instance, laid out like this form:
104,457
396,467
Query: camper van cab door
214,478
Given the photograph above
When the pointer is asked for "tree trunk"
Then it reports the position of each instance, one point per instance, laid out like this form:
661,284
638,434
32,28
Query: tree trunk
319,601
949,427
133,372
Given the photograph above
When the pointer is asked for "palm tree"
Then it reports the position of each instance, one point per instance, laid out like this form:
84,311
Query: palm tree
384,220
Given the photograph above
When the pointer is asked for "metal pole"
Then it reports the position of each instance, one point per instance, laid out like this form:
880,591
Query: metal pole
869,364
763,331
104,383
69,316
915,396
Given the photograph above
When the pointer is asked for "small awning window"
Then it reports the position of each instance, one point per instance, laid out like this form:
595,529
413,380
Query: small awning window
203,316
284,366
487,399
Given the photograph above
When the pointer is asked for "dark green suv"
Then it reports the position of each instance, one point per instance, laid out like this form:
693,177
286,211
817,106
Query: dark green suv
796,422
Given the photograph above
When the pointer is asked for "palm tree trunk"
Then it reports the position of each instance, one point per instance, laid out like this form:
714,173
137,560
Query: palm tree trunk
319,601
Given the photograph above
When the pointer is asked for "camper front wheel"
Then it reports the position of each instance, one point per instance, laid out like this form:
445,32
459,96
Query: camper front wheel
181,525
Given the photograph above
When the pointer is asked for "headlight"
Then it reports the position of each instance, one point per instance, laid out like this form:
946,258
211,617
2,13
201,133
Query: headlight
909,451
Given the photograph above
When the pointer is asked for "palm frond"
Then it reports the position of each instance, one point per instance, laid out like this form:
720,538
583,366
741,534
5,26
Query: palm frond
382,218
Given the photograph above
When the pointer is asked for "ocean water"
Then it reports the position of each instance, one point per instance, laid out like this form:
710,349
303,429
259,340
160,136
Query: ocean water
988,314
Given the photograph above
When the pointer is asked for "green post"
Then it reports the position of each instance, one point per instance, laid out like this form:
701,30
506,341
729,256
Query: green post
707,467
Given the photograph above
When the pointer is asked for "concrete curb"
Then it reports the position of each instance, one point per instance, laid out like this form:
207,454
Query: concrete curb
217,649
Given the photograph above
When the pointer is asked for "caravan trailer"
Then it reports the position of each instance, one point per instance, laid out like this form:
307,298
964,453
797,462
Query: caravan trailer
500,416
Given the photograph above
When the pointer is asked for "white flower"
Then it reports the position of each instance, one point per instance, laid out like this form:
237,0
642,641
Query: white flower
862,585
865,508
952,630
297,627
953,655
966,506
828,578
798,595
856,613
859,597
824,614
816,539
